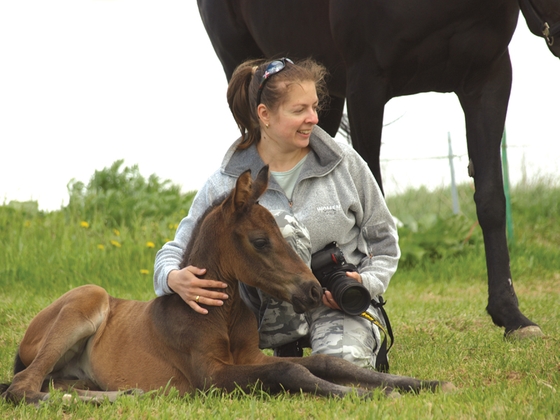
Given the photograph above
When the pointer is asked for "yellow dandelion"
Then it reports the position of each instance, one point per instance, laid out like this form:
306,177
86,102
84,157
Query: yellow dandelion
173,226
116,232
144,271
116,243
27,223
101,247
150,244
84,224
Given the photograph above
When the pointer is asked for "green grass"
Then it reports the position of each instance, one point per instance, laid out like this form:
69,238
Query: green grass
436,304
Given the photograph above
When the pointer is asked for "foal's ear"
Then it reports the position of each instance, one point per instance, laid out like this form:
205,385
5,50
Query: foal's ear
261,183
243,189
248,192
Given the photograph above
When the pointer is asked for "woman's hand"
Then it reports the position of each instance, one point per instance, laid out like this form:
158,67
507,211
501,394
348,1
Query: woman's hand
328,299
194,290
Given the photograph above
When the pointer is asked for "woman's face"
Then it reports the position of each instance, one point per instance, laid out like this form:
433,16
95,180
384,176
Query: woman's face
291,124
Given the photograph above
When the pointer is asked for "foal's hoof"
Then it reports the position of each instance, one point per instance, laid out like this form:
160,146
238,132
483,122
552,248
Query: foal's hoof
393,394
135,392
448,387
532,331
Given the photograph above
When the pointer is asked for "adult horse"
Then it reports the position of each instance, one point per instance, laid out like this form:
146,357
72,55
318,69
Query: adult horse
376,50
88,339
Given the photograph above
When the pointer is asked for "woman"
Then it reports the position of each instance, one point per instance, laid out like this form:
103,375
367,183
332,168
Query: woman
320,192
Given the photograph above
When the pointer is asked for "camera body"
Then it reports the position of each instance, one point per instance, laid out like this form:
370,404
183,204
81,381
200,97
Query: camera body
330,267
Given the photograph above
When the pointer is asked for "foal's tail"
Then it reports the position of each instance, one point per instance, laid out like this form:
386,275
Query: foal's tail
3,388
18,364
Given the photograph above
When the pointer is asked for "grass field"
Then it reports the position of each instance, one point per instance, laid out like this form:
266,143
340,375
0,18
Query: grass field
436,302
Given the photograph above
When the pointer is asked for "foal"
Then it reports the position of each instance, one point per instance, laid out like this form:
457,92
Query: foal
98,345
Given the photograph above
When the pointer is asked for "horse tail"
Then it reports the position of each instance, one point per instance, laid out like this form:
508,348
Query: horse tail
3,388
18,364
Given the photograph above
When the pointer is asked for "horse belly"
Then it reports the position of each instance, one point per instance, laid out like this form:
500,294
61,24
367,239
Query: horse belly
298,30
126,355
416,50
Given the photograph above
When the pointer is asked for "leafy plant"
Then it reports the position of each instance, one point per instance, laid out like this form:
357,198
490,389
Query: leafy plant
121,196
435,237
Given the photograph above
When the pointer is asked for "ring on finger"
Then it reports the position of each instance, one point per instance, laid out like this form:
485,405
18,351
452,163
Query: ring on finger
196,299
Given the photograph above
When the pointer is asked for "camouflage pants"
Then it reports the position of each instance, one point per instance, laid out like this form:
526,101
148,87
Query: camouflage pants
332,332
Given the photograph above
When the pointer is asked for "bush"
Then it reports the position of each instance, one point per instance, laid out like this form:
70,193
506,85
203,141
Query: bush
429,230
436,237
121,197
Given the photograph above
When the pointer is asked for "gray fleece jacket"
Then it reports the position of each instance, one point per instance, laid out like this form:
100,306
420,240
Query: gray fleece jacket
336,198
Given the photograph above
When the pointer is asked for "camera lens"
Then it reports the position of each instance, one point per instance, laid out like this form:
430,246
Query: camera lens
330,267
352,297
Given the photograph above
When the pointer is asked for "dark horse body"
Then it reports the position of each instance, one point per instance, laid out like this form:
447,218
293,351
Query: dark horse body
98,345
376,50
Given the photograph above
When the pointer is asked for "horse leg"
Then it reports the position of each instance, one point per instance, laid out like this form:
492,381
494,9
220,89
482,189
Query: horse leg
85,391
485,105
366,98
97,397
231,39
276,375
54,337
340,371
319,374
330,117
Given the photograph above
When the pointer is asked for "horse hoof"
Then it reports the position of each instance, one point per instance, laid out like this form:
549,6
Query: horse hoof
448,387
393,394
69,399
135,392
532,331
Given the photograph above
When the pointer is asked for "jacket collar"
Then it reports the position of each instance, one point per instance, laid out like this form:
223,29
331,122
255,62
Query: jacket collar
324,156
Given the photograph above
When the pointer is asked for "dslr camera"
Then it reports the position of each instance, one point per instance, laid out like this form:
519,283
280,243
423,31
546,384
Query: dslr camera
330,267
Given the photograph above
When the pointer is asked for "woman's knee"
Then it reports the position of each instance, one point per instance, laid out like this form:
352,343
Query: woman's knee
351,338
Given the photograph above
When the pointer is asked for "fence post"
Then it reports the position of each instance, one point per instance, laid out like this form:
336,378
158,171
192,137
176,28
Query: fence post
505,169
454,195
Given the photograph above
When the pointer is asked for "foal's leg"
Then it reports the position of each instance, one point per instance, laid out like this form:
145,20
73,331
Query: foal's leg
318,374
340,371
278,376
53,338
86,391
97,397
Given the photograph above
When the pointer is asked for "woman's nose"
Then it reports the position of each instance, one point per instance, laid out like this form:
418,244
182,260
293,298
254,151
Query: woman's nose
312,117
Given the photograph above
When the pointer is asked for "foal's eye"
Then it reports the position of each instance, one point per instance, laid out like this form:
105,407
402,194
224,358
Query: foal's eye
260,243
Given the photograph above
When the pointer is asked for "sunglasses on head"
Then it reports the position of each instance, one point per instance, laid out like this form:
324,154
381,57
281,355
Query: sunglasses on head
274,67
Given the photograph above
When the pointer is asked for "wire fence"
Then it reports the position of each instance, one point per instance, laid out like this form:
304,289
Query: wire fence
414,162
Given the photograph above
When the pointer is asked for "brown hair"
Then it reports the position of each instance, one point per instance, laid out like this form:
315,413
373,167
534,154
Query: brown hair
244,85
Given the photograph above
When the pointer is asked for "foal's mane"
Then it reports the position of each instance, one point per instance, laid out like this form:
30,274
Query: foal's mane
196,231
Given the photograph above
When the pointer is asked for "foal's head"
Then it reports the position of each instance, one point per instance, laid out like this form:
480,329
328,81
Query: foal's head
240,240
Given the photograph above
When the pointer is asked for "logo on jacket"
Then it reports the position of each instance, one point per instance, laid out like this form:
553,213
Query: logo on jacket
329,209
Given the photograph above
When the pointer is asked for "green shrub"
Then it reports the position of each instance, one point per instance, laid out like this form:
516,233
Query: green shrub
122,196
429,229
434,237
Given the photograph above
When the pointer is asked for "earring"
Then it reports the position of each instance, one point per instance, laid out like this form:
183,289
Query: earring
266,125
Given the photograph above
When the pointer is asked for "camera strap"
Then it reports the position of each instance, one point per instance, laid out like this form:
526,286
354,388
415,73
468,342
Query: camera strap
382,361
